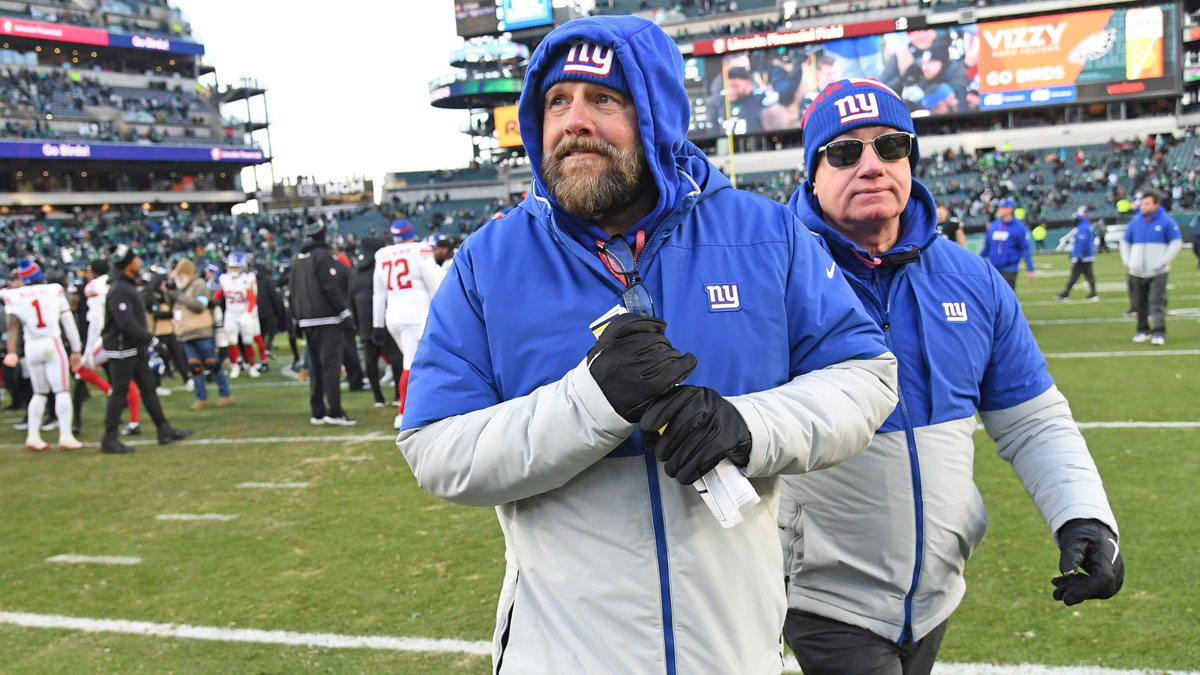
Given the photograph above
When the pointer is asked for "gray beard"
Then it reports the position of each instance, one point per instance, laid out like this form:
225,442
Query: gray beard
595,194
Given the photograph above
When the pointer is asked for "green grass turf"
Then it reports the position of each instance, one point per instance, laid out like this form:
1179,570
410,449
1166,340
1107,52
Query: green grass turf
364,551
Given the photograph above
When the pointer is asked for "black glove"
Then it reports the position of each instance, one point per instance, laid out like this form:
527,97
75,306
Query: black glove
379,337
1091,545
159,347
702,428
634,363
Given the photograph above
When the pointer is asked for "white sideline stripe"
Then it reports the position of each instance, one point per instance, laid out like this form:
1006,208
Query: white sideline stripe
1138,425
1103,299
1108,355
431,645
355,458
99,559
1070,322
194,516
790,666
1127,425
276,486
276,637
357,438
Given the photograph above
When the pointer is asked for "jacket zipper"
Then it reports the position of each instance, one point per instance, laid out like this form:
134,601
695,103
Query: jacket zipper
906,634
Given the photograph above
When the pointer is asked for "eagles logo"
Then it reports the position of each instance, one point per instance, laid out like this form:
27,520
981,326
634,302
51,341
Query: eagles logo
1093,46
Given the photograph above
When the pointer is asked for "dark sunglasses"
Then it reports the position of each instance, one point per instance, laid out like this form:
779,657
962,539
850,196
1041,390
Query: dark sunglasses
891,147
622,261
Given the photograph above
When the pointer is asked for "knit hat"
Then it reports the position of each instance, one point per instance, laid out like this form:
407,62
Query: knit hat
1007,202
1081,212
123,255
586,62
402,230
315,227
849,104
185,266
28,271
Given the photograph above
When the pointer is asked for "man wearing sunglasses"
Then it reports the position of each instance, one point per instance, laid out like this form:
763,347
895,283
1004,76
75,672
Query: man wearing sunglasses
875,546
741,342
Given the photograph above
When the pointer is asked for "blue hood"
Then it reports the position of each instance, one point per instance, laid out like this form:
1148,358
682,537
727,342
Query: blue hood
918,227
653,69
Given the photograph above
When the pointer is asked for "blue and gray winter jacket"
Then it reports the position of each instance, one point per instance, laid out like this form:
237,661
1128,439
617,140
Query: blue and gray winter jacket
612,567
1150,244
880,541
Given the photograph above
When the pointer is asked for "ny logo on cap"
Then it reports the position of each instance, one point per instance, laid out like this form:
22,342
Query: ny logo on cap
857,107
589,59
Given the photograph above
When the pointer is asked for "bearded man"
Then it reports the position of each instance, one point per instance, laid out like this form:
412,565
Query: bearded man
588,447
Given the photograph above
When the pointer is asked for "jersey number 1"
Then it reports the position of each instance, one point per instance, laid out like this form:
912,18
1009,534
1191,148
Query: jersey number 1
401,272
38,308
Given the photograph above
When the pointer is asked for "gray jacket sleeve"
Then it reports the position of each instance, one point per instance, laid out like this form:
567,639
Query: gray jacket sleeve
819,418
519,448
1049,455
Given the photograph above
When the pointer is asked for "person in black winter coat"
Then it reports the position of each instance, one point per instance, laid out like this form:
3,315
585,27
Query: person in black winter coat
361,291
127,344
319,306
270,308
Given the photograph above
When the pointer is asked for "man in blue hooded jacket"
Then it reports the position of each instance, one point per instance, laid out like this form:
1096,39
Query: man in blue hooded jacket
1083,254
1007,243
588,447
875,547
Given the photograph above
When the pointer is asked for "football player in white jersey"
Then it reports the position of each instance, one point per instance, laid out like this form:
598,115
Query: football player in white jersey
42,312
406,278
239,288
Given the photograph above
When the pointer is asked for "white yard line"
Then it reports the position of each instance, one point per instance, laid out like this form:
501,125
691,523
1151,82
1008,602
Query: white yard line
195,516
355,438
1128,425
98,559
1114,355
1071,322
275,486
430,645
355,458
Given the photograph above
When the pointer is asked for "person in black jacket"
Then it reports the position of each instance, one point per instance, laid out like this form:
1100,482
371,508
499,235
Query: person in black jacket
270,309
319,307
126,342
361,294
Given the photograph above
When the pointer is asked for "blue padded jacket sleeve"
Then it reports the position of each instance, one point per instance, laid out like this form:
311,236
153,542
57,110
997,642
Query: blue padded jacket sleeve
1027,251
452,373
1016,371
826,321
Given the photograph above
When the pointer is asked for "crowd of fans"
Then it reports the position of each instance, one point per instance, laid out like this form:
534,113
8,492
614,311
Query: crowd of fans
114,11
37,96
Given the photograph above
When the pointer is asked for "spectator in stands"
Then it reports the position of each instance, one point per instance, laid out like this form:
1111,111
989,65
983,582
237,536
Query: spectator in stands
1083,253
515,404
870,588
950,227
1007,243
1151,242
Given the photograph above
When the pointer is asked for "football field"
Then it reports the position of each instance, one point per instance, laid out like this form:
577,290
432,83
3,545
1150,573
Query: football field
266,545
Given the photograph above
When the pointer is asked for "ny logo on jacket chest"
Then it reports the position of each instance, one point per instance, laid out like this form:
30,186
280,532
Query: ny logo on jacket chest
723,297
956,312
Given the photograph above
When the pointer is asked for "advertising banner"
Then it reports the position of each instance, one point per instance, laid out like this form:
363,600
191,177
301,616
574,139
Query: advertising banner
743,87
162,153
517,14
508,130
1067,57
473,18
94,36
